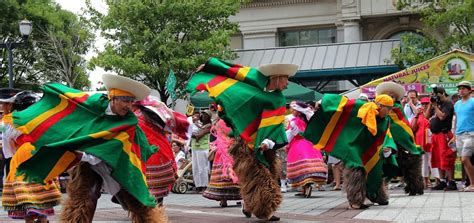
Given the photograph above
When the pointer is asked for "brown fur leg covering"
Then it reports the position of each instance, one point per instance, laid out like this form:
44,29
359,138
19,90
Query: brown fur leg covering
83,192
258,186
355,185
411,171
140,213
382,195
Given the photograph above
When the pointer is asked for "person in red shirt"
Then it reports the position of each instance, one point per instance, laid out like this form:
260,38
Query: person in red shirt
421,129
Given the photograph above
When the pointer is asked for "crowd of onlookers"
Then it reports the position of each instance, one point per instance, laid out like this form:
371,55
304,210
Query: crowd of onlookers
442,124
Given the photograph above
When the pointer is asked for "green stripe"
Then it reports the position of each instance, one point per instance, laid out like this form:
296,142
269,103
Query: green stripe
220,67
88,118
329,105
244,101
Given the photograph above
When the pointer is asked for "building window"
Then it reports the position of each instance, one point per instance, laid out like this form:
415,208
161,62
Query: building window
399,34
307,37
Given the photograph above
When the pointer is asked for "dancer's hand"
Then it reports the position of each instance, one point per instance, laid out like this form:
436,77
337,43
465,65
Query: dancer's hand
263,147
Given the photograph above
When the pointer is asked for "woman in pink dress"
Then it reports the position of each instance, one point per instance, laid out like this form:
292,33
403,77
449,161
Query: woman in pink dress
223,185
305,164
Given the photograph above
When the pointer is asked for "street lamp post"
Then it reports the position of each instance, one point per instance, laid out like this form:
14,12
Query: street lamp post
25,30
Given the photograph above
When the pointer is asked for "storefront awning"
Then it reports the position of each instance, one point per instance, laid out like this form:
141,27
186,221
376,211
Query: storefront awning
358,61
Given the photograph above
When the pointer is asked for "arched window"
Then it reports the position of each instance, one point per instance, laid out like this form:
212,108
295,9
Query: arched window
398,34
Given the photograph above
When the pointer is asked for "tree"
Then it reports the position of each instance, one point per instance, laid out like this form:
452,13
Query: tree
452,18
149,38
31,62
63,49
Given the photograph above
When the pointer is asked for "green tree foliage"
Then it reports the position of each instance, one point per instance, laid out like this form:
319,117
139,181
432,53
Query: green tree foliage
58,37
453,19
149,38
414,49
65,43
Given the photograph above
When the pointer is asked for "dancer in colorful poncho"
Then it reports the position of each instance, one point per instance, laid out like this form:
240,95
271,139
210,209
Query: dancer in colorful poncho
223,185
408,153
33,202
68,125
358,133
160,167
305,164
254,107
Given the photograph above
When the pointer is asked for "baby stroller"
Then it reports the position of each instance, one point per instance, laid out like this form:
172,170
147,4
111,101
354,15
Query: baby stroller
185,178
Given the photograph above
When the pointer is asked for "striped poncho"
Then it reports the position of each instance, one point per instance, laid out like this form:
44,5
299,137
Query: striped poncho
249,110
401,130
336,128
66,120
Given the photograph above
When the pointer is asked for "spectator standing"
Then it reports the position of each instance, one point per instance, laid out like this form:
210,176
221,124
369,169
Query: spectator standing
464,111
412,105
440,113
200,152
421,128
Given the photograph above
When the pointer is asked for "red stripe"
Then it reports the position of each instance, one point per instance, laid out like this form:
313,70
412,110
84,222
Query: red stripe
215,81
232,71
43,127
135,148
340,125
276,112
400,115
373,149
120,128
251,128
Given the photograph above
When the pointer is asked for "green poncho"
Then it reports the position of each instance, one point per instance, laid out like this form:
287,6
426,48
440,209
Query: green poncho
249,110
65,120
336,128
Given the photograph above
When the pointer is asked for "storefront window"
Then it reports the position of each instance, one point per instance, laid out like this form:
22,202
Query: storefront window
307,37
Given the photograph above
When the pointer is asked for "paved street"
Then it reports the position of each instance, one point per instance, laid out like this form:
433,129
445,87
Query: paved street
324,206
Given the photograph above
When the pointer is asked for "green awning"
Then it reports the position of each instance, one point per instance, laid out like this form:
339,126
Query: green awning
293,92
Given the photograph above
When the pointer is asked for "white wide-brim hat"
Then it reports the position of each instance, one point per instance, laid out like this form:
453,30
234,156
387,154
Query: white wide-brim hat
393,87
139,90
278,69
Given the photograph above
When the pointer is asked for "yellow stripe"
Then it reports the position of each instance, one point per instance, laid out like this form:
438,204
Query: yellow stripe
8,119
331,125
242,73
376,157
21,155
103,134
75,95
127,148
221,87
251,144
123,137
66,159
373,160
31,125
274,120
399,122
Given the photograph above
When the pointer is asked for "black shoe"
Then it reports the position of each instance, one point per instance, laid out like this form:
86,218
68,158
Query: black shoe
451,186
383,203
274,218
440,186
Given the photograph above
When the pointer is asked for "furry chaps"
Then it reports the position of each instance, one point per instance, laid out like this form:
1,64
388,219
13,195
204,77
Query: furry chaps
83,191
258,184
410,168
355,185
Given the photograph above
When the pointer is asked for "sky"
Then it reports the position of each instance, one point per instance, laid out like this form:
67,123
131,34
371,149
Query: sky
75,6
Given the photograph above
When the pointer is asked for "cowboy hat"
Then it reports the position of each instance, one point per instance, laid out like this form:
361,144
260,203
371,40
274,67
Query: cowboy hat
8,95
393,87
278,69
139,90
